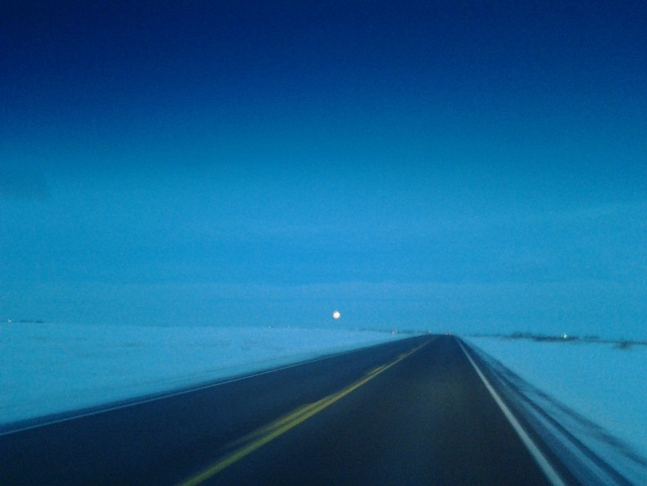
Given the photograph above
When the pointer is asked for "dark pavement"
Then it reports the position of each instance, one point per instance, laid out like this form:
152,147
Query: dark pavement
410,412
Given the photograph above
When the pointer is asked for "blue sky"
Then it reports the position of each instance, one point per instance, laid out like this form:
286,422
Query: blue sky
464,166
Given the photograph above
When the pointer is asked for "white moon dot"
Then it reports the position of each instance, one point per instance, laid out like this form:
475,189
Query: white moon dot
336,315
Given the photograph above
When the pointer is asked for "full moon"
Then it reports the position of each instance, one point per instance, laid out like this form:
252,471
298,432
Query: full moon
336,315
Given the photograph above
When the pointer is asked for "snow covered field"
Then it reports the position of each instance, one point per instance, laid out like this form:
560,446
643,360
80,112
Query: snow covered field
605,384
53,368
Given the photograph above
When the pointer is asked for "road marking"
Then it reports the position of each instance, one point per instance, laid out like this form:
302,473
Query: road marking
262,436
537,455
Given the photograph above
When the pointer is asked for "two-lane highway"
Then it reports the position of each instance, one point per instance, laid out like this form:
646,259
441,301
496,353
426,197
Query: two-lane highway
410,412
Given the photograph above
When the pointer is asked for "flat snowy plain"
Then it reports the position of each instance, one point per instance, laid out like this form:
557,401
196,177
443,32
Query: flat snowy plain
605,384
47,369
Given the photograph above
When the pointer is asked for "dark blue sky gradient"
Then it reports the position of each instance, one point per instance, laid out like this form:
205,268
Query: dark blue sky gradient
472,166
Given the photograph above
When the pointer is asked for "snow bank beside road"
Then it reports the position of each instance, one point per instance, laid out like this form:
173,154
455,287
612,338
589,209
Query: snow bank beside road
600,383
53,368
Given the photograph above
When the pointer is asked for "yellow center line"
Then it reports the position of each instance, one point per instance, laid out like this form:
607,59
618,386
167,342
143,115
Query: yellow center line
265,434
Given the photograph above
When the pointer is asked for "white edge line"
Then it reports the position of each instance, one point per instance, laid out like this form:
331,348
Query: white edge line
537,455
162,395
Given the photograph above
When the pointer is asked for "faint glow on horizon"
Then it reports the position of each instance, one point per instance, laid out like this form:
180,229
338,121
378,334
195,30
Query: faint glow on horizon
336,315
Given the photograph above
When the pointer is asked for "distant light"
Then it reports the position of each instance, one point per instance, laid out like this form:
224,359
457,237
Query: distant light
565,336
336,315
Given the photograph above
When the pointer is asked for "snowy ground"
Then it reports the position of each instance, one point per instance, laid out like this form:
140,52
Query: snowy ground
52,368
605,384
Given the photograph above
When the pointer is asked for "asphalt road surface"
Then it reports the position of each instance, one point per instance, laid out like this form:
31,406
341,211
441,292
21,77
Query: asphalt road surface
413,412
